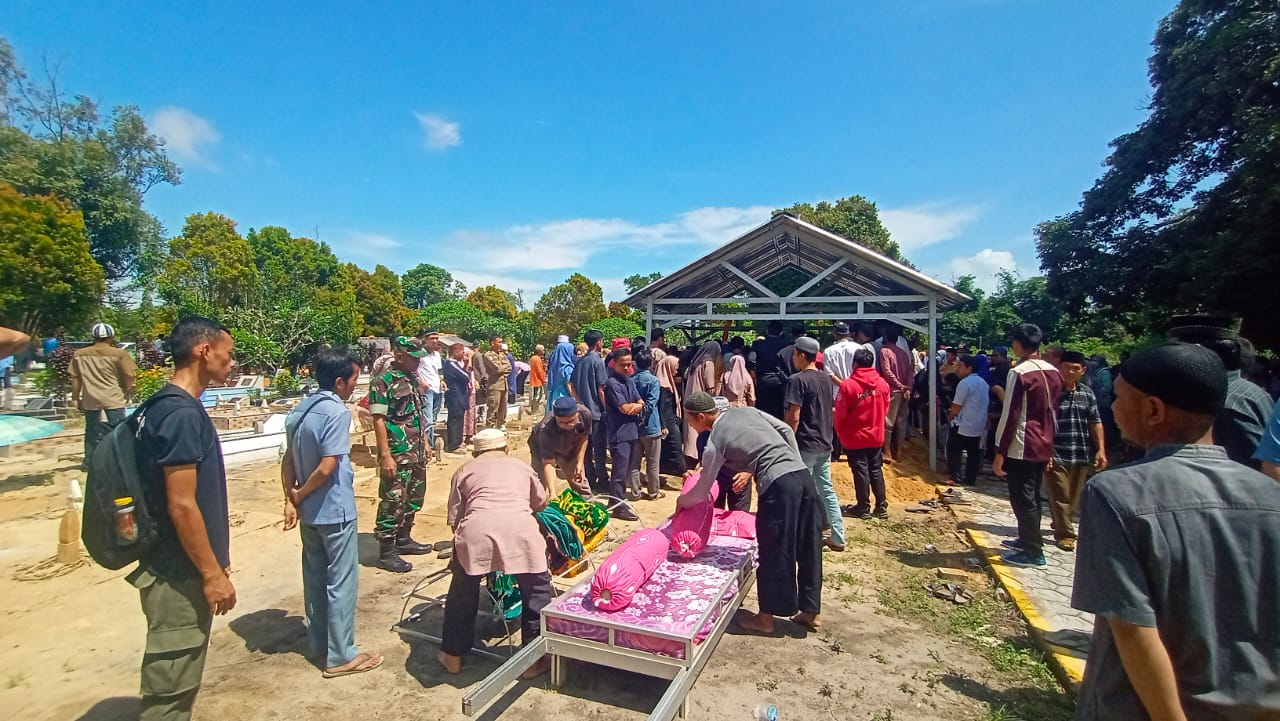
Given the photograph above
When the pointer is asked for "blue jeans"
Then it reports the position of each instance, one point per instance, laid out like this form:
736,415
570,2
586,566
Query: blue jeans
819,463
330,573
433,400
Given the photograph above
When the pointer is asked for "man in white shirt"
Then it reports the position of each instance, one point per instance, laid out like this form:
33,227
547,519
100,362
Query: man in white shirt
431,382
969,420
837,361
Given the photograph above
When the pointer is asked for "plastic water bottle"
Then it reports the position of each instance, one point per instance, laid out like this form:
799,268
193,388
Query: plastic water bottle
765,712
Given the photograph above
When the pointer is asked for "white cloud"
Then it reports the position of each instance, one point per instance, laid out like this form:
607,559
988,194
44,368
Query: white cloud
983,266
187,136
439,134
373,241
918,226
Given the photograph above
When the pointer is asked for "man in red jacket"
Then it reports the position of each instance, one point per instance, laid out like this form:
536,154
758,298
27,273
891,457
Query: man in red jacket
860,412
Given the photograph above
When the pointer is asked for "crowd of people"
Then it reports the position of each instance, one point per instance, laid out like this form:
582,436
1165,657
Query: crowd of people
1175,546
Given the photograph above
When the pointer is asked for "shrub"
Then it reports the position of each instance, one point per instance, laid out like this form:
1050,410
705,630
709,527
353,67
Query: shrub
284,385
147,381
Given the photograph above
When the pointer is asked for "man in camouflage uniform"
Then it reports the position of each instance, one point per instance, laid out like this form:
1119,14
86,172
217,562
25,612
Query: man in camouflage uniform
395,402
494,370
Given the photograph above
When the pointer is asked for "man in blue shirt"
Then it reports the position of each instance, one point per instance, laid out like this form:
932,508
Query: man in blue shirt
651,432
968,415
319,493
1268,453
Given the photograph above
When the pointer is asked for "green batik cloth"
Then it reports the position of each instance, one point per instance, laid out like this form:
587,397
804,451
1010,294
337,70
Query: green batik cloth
506,594
590,518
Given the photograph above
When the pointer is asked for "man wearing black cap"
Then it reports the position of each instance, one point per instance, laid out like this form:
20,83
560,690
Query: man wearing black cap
560,439
1079,425
1176,557
1243,418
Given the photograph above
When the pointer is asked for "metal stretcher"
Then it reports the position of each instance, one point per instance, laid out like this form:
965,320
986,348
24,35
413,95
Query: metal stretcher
669,631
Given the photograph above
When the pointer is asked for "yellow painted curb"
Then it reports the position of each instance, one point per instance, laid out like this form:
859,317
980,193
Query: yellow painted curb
1065,665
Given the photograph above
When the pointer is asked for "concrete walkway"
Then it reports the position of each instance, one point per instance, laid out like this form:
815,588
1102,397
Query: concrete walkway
1042,595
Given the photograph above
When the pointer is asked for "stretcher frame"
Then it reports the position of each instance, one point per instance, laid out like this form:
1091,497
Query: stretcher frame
682,673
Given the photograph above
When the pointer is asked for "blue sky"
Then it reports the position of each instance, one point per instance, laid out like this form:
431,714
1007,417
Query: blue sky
516,143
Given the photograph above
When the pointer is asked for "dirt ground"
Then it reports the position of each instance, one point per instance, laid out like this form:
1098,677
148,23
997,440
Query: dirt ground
888,650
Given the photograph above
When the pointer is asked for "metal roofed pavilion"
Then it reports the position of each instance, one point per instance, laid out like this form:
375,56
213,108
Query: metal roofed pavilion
790,270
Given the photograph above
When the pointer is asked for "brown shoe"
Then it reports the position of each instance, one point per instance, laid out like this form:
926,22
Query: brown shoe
1067,544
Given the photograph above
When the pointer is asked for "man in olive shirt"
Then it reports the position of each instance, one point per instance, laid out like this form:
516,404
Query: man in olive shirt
494,370
560,439
101,385
1177,558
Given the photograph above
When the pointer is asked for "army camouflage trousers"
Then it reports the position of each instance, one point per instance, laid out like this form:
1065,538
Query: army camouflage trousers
401,495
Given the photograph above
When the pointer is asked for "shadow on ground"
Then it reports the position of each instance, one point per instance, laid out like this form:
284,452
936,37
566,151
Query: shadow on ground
119,708
272,630
1027,703
26,480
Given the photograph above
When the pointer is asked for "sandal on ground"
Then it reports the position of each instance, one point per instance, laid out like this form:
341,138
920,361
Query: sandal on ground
952,592
811,621
369,663
919,509
930,502
441,546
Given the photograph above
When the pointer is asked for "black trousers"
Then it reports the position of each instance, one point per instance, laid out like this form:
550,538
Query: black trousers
867,465
1025,480
672,456
597,472
453,426
958,445
623,453
97,424
729,498
463,603
769,398
789,524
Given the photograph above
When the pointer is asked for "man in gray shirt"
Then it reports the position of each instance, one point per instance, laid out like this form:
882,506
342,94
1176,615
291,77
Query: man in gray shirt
789,518
1177,558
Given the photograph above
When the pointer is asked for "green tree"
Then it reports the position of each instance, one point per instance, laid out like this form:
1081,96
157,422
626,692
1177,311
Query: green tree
1183,218
854,218
48,278
492,300
567,307
54,145
209,267
378,299
426,284
467,321
633,283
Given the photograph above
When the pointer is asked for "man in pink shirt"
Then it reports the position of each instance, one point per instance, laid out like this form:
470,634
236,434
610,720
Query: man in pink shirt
899,373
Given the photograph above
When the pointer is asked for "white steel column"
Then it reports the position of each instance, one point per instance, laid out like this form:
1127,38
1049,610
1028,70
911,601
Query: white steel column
931,368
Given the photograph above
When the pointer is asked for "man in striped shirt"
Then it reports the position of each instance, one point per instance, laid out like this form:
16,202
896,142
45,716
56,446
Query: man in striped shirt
1024,440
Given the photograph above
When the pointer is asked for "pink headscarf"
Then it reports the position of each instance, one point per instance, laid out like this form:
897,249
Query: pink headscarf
736,380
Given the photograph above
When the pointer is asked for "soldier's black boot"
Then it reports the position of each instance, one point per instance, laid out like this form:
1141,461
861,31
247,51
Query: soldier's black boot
389,560
405,543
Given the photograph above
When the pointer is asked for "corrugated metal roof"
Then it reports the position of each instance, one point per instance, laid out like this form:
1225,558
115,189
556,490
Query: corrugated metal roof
786,242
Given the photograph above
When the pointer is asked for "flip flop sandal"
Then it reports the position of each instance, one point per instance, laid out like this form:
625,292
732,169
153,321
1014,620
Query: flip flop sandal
930,502
952,592
441,545
956,501
919,509
446,553
370,663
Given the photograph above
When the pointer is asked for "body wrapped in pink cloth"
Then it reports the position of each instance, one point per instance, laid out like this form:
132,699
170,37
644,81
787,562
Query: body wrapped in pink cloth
690,528
738,524
627,569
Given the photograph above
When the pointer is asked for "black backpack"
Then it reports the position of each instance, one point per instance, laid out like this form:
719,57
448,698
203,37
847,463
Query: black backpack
113,473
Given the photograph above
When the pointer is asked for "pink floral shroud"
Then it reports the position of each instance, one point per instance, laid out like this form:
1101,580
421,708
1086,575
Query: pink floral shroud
627,568
672,601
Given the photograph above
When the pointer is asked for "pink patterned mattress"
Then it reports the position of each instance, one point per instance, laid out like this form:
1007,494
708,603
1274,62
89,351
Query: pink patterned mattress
671,602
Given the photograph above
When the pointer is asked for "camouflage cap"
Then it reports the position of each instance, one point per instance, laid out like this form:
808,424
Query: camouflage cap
412,346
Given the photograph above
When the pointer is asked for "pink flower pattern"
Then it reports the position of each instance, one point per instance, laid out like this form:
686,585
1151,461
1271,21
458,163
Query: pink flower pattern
672,601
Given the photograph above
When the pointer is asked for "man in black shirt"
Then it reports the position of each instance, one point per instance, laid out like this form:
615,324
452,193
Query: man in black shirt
185,579
771,377
623,407
810,400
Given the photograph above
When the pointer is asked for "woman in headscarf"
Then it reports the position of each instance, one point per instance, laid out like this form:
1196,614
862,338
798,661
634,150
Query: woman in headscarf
706,371
739,389
559,370
672,459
